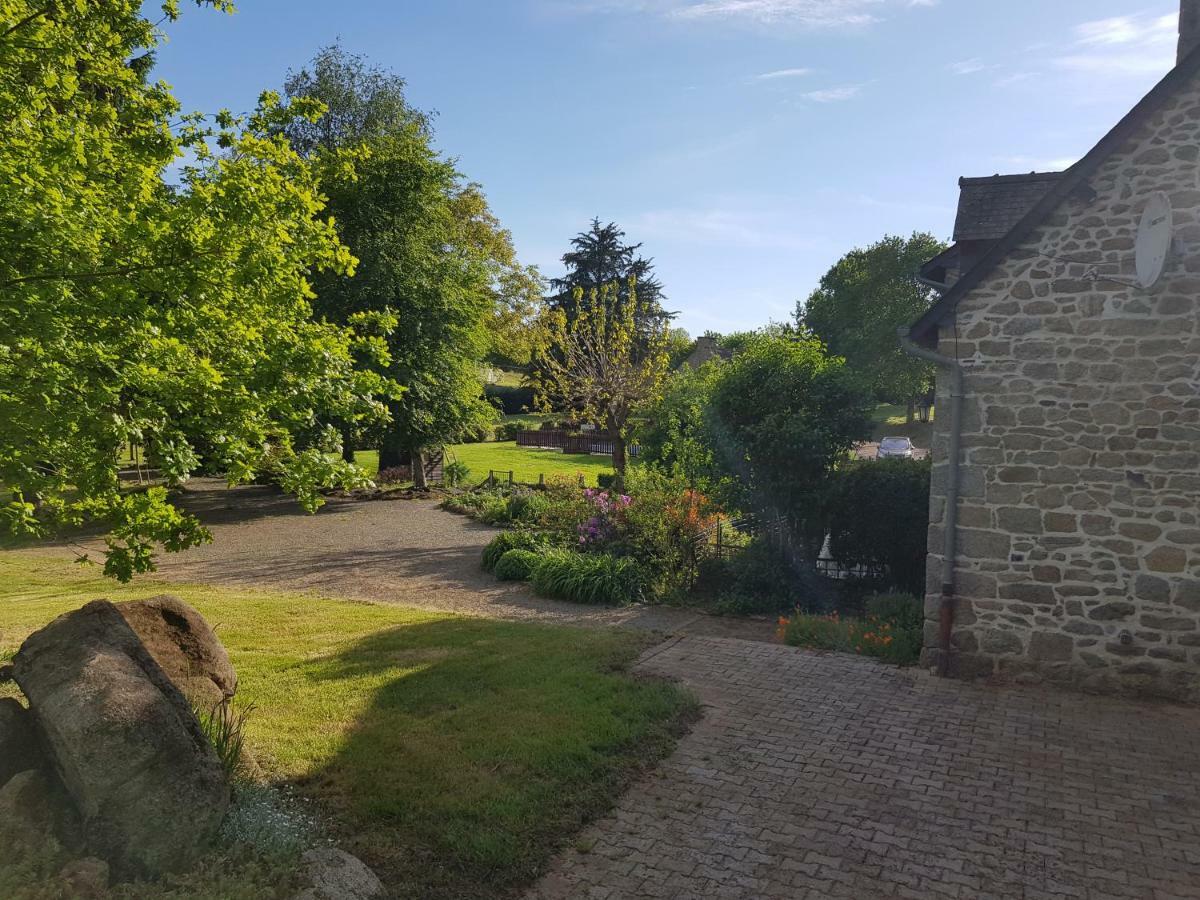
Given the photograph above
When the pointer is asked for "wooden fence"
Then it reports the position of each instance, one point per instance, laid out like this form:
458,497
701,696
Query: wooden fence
596,442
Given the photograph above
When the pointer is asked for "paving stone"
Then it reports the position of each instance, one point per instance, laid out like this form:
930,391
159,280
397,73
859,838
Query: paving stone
817,775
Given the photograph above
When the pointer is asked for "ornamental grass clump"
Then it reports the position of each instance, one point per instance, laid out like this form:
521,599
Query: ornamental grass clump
591,578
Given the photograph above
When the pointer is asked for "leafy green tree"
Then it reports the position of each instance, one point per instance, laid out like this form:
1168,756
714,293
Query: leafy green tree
430,253
782,414
135,312
609,359
861,302
674,428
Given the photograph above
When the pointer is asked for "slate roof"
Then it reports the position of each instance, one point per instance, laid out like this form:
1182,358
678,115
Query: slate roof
925,330
988,208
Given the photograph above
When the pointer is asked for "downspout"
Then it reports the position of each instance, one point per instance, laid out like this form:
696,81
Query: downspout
950,518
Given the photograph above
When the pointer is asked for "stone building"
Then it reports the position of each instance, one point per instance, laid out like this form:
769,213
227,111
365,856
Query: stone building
1075,553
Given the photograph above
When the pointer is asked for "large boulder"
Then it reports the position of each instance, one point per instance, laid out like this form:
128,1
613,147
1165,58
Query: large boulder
145,780
36,812
19,748
184,646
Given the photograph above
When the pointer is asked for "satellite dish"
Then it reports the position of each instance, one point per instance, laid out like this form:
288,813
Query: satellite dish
1154,239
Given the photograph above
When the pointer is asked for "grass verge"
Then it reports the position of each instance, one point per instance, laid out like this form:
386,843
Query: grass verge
453,755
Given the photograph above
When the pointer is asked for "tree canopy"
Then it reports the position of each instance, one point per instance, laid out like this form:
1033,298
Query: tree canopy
431,253
782,413
133,311
600,257
863,299
604,365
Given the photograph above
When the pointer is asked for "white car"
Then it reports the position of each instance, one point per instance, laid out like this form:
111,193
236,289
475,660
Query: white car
896,448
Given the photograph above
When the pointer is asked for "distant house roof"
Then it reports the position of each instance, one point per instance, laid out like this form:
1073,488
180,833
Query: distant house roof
925,330
988,208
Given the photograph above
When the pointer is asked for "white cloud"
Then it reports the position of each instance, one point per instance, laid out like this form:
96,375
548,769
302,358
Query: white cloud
807,14
967,66
834,95
782,73
1123,45
1036,163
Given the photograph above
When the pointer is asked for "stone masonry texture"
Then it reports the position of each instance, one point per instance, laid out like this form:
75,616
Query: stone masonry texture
813,776
1079,550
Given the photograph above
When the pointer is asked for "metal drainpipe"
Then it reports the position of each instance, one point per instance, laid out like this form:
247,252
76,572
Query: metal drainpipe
950,519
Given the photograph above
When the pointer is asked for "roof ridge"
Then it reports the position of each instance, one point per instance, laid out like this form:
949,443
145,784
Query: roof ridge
1071,179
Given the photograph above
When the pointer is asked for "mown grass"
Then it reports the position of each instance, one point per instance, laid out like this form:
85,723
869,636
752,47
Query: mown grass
502,457
454,755
890,422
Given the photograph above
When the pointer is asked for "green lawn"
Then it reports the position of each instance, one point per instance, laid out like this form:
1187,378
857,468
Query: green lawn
525,464
890,422
453,754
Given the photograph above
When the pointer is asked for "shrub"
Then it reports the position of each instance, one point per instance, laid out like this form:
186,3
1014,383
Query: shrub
606,480
879,517
511,540
592,578
892,630
509,430
513,400
758,580
455,473
517,565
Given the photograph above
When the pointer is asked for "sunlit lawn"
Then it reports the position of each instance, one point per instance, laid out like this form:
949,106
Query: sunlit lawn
525,463
454,755
890,422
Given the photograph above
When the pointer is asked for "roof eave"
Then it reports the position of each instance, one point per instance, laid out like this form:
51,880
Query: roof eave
925,329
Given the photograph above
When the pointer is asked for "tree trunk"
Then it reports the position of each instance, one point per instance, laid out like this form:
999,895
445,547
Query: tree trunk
418,471
347,444
911,412
391,454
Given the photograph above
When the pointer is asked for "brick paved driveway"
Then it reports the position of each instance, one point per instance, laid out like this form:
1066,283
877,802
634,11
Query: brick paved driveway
831,776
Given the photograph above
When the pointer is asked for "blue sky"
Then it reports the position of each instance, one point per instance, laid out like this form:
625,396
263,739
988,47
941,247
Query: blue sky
747,143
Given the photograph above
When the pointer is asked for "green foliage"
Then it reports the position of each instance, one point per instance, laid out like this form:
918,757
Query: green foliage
225,728
517,565
430,251
604,360
598,257
176,317
513,400
878,514
511,540
591,578
782,414
892,630
674,432
755,581
863,300
455,473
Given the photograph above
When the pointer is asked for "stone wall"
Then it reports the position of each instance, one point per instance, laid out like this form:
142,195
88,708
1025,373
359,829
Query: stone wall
1079,523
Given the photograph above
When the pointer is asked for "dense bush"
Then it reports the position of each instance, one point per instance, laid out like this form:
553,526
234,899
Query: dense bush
592,578
501,505
758,580
878,514
892,630
513,400
508,431
511,540
455,473
517,565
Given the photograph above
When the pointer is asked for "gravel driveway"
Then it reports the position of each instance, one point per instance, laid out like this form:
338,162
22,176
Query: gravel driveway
407,552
